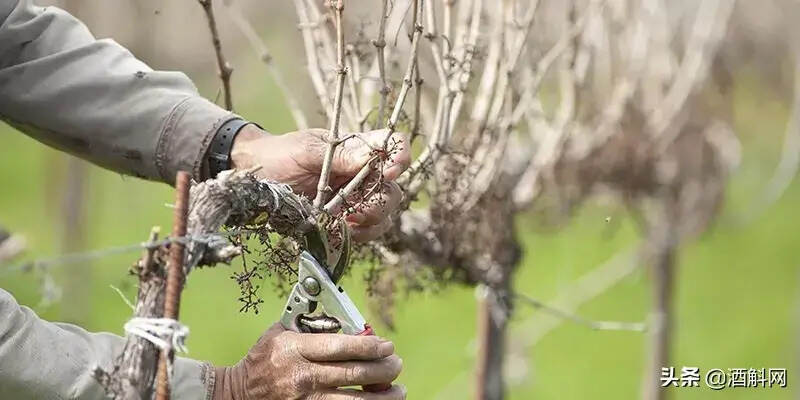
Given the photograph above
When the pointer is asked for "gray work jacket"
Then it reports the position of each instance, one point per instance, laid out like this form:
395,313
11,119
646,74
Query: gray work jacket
41,360
94,99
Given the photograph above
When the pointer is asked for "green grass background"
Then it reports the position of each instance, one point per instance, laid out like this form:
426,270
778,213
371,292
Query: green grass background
737,291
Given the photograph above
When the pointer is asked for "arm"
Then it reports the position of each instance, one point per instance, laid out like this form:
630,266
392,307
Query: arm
94,99
44,360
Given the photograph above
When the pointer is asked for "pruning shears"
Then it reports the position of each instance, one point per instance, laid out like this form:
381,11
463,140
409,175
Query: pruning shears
317,285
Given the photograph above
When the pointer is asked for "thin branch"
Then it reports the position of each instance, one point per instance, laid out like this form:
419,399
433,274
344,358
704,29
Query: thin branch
407,81
122,296
391,125
445,100
354,66
333,138
313,63
709,28
480,109
380,45
548,148
432,36
464,14
447,110
447,28
351,186
224,68
553,135
325,40
418,81
469,50
265,56
501,81
415,126
543,67
509,61
449,98
410,179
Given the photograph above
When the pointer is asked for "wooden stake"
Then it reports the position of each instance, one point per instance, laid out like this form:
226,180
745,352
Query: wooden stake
492,321
175,276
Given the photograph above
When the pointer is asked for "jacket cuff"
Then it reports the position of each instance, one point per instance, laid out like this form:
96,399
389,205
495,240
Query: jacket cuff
192,379
186,135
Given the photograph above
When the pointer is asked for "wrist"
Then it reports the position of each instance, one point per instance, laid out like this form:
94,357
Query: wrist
228,385
218,156
242,155
219,383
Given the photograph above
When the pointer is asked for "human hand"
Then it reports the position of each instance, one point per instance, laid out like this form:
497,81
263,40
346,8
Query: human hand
296,159
290,365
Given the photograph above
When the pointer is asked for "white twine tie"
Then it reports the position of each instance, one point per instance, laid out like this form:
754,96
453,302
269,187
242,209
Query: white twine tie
164,333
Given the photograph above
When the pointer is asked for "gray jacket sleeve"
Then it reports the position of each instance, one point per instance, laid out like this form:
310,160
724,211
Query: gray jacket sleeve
43,360
94,99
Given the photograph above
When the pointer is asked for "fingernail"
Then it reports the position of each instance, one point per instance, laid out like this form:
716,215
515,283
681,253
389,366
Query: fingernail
392,172
357,219
385,349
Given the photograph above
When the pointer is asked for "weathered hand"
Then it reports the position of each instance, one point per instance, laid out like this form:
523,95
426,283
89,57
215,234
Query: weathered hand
296,159
289,365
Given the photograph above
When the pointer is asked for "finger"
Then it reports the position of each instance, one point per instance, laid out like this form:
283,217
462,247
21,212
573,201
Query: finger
398,157
376,208
336,347
359,149
397,392
366,233
352,373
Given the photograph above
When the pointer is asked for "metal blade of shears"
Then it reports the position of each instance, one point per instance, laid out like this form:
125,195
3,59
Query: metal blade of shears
333,251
